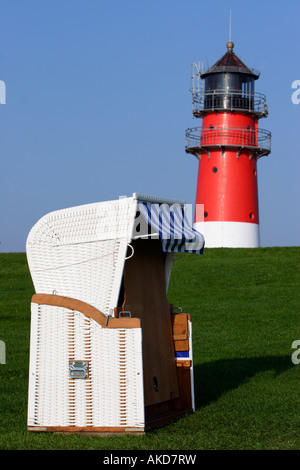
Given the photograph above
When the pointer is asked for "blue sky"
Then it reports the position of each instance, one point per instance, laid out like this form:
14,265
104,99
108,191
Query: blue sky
98,102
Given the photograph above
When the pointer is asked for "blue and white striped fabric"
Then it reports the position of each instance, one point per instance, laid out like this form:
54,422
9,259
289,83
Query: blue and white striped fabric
173,227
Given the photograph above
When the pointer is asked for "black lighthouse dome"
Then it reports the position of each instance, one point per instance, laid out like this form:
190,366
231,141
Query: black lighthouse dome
230,63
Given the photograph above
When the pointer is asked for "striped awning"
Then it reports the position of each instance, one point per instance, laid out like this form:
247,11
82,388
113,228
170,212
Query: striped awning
173,227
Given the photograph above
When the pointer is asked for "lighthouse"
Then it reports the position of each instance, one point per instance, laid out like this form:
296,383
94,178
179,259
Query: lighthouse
228,146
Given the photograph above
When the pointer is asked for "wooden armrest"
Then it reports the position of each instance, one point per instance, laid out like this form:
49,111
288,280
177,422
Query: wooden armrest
87,310
180,331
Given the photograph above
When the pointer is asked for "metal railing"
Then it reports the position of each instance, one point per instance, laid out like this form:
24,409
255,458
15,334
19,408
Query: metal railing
230,68
217,100
199,138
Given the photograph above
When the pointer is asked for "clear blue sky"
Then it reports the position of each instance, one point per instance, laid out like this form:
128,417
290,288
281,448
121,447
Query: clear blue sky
98,102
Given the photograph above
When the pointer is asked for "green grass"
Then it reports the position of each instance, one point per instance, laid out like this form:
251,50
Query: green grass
245,311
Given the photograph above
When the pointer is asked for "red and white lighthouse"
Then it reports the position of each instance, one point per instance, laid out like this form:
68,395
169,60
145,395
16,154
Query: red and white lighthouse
228,145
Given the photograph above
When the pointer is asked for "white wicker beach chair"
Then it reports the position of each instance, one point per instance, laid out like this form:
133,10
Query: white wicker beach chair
108,353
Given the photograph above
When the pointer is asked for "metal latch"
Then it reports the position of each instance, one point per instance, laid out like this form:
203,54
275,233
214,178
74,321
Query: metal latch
79,369
125,313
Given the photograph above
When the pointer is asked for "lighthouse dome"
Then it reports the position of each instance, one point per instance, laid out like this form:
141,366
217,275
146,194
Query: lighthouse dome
230,62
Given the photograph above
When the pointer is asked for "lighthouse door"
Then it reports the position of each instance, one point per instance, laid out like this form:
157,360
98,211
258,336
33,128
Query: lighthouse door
145,297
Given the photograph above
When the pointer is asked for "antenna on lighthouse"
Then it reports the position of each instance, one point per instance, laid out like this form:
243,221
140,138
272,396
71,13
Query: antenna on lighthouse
230,44
261,68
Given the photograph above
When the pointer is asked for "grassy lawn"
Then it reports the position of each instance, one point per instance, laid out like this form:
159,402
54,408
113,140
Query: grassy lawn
244,305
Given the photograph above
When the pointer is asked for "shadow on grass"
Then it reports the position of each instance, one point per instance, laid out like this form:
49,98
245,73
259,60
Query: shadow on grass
213,379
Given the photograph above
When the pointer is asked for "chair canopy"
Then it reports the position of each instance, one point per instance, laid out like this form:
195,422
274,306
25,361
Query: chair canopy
80,252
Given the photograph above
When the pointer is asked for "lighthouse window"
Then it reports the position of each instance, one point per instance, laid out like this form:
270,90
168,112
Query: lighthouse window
247,86
211,128
244,93
245,89
205,214
251,215
215,169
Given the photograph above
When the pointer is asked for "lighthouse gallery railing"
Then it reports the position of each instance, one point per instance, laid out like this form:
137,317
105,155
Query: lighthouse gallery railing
217,136
217,100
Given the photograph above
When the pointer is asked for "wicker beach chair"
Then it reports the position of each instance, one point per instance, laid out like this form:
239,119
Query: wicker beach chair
108,353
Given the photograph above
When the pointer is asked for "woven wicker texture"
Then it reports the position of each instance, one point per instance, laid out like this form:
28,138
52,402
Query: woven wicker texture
111,395
80,252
